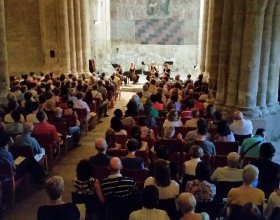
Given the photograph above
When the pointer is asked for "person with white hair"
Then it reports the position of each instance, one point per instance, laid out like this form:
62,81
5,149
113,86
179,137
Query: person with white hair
241,128
56,207
247,193
231,172
186,203
101,158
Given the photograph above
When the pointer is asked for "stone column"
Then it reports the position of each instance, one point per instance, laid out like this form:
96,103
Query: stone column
72,41
250,59
4,72
266,45
273,75
108,28
213,42
85,34
78,36
224,54
235,54
204,35
64,47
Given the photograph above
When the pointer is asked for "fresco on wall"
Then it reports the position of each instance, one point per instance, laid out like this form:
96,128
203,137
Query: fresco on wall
158,8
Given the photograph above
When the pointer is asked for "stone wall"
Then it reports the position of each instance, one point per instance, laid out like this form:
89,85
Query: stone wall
155,30
23,35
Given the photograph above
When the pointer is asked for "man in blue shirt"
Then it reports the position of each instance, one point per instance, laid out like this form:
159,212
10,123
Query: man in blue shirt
5,155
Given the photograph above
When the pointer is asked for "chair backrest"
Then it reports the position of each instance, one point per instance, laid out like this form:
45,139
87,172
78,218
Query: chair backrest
174,145
117,152
241,138
183,130
121,139
248,160
6,171
70,120
218,161
45,140
185,114
81,113
100,173
24,151
169,206
144,155
224,148
97,102
138,175
61,128
223,188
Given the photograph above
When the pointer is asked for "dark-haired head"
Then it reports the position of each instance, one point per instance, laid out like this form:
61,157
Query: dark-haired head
150,197
162,173
261,132
118,113
223,128
132,145
202,171
116,124
267,151
84,170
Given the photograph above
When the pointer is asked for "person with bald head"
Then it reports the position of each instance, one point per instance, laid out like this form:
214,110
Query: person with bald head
101,158
241,128
118,191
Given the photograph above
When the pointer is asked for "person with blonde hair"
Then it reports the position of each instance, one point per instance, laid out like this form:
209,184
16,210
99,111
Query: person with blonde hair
56,208
190,165
186,203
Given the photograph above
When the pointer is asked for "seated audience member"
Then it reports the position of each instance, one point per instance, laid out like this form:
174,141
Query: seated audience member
43,127
118,191
132,108
110,138
79,103
127,121
190,165
172,119
130,161
217,117
201,188
251,146
69,111
193,122
269,170
56,208
207,146
247,193
146,93
136,99
25,139
275,214
146,132
12,106
117,126
15,127
191,135
246,212
150,200
231,172
101,158
150,111
272,204
161,179
241,128
96,92
210,111
27,165
135,133
173,103
32,116
162,153
224,133
86,185
186,203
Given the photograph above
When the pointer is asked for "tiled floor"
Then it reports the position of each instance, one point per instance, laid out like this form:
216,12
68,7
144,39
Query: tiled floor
26,208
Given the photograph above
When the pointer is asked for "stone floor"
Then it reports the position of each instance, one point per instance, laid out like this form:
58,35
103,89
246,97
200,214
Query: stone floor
26,207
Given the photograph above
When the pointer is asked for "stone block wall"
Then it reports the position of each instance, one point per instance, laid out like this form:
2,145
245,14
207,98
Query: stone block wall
157,30
23,35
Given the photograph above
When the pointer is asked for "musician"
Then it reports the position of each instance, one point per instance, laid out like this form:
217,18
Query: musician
153,71
165,71
120,74
133,76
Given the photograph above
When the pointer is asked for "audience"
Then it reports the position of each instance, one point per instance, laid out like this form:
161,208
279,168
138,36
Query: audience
130,161
172,119
101,158
190,165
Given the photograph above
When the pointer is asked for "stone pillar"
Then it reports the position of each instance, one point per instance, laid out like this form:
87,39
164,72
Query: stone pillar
85,34
273,75
72,41
64,47
204,35
4,72
78,36
108,28
213,42
224,54
235,54
265,54
250,59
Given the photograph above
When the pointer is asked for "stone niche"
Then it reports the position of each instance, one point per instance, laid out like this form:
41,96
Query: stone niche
156,30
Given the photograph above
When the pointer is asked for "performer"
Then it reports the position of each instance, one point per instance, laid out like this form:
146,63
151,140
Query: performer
133,76
120,74
153,71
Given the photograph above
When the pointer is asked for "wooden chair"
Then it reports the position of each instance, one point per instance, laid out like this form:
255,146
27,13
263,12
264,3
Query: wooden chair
248,160
117,152
100,173
11,183
174,145
144,155
83,118
70,120
218,161
183,130
121,139
224,148
138,175
27,151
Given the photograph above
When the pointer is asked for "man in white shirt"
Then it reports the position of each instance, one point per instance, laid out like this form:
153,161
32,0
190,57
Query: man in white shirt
241,126
79,103
149,210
